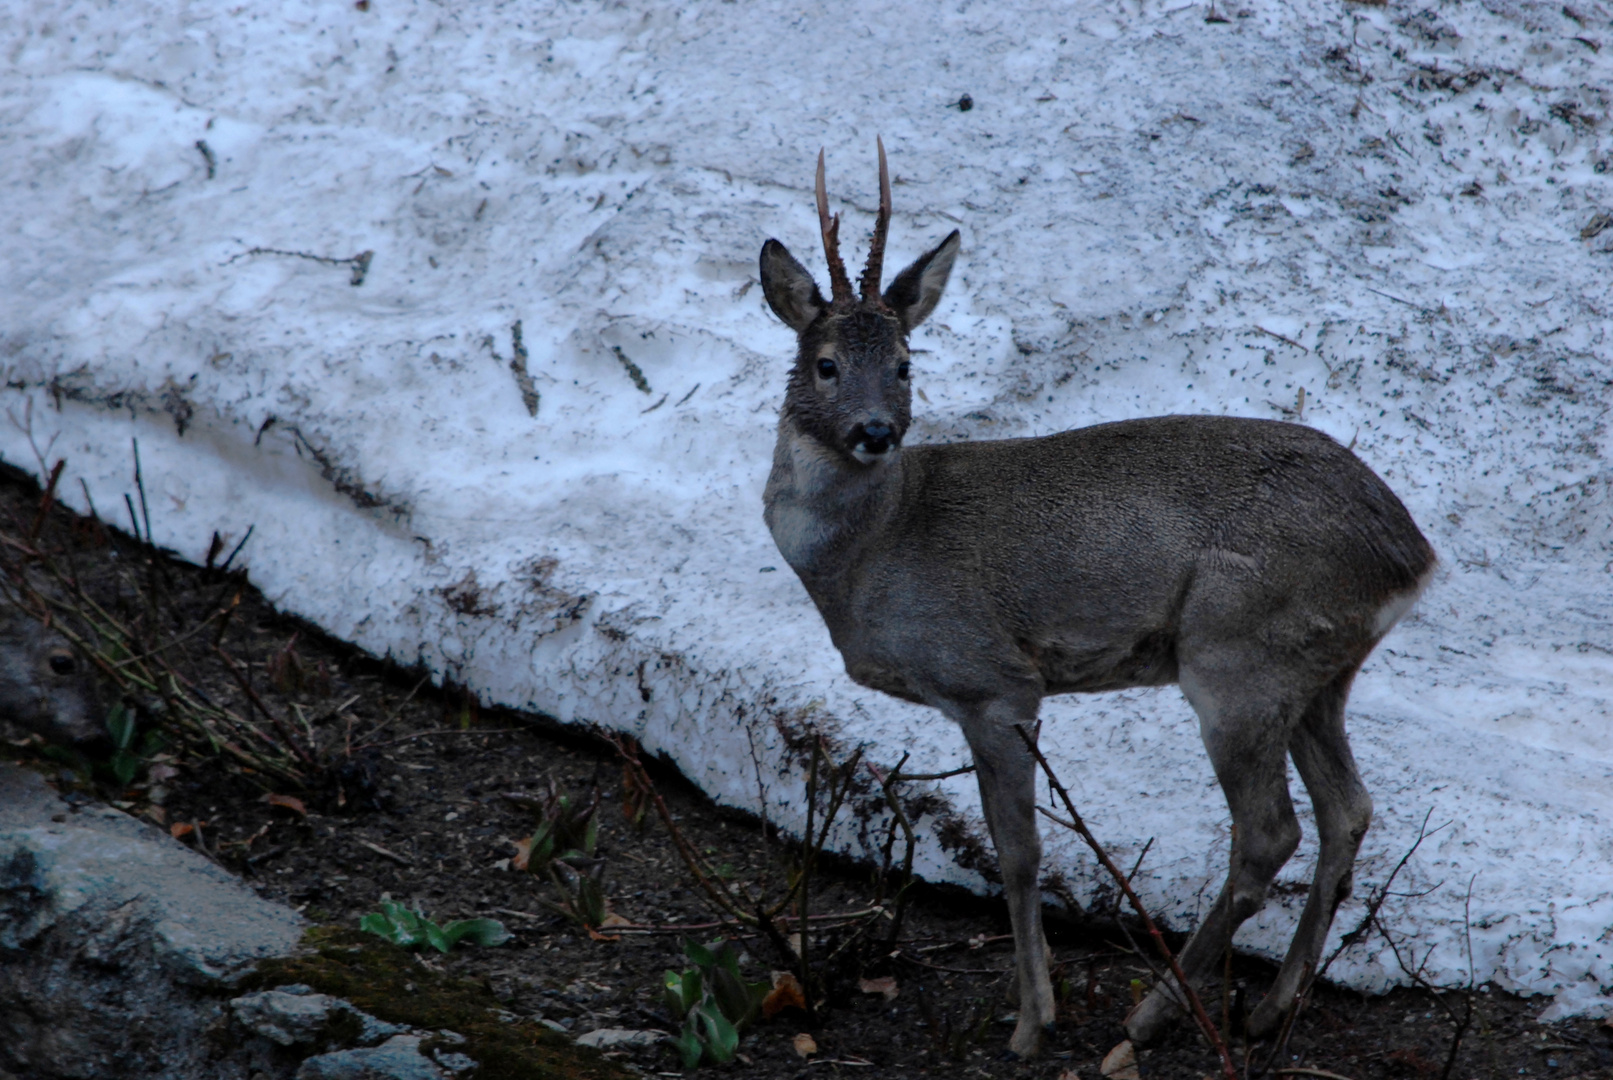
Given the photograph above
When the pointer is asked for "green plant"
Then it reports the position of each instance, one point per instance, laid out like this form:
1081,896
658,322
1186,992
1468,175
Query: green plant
714,1002
567,828
582,892
126,762
411,929
561,848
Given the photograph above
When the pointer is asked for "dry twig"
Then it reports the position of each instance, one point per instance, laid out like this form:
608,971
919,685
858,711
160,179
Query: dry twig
1196,1007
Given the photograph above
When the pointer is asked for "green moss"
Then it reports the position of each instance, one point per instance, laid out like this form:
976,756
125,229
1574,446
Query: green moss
386,982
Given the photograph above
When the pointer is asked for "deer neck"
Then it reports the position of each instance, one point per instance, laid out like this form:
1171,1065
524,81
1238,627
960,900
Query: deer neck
824,512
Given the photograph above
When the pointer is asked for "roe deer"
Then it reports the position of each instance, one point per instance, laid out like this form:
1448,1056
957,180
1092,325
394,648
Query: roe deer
1252,562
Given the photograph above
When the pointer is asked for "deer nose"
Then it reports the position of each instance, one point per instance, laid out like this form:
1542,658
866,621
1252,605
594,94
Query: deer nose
874,437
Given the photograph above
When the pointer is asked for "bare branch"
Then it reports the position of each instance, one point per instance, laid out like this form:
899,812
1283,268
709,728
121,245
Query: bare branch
1196,1007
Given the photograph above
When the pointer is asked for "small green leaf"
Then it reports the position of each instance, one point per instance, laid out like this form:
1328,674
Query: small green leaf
485,932
720,1037
124,766
700,954
591,906
683,991
120,724
401,916
435,937
688,1044
740,1001
395,923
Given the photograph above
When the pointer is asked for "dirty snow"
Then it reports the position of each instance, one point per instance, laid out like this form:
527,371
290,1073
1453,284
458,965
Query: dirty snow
1386,220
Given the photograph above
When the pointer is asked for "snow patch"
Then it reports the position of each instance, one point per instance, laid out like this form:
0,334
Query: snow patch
1373,220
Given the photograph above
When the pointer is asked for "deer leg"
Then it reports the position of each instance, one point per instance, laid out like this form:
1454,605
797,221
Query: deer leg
1007,775
1248,745
1343,811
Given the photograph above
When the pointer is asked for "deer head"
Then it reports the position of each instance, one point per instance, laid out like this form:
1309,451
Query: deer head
849,389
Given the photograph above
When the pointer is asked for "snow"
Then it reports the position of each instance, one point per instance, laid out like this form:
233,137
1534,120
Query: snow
1378,207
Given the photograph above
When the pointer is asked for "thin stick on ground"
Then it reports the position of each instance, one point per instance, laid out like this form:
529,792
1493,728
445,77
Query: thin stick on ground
804,934
691,859
367,741
898,818
1368,921
1196,1006
1415,974
292,744
1466,1020
746,906
1377,897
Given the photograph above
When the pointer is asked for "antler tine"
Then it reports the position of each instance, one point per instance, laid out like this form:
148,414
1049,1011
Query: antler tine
876,250
839,283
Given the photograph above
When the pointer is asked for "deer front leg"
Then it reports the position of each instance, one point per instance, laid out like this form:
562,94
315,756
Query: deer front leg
1007,775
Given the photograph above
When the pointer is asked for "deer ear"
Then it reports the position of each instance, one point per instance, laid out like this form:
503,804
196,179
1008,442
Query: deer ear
916,290
789,288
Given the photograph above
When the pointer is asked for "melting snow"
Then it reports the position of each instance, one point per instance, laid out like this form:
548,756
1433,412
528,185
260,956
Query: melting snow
288,248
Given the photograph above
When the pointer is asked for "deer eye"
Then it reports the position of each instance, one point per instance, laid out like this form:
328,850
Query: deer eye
903,371
63,663
827,369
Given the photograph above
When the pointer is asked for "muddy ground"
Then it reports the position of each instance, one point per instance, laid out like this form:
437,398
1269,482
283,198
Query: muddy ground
410,797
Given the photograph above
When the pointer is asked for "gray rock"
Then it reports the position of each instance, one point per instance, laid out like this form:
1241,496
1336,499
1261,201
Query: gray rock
399,1058
454,1061
115,941
295,1014
285,1018
620,1039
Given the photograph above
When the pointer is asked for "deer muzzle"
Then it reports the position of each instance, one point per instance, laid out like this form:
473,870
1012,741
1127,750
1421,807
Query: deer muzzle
872,441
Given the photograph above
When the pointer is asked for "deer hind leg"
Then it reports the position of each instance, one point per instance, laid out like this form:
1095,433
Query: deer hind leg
1007,774
1247,737
1321,752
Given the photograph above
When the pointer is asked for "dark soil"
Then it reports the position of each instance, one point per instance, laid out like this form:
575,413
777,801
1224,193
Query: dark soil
417,811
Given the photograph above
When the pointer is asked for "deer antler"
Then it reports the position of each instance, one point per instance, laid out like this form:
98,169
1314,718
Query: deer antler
876,250
839,284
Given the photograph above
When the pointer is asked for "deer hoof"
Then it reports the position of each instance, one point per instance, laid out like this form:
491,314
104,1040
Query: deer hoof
1029,1039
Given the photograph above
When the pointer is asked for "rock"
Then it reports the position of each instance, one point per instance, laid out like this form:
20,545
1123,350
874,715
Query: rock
1120,1063
123,953
620,1039
115,941
295,1014
283,1016
454,1061
399,1058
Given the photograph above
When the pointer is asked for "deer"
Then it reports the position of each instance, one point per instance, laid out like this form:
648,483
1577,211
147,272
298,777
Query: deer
1253,563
